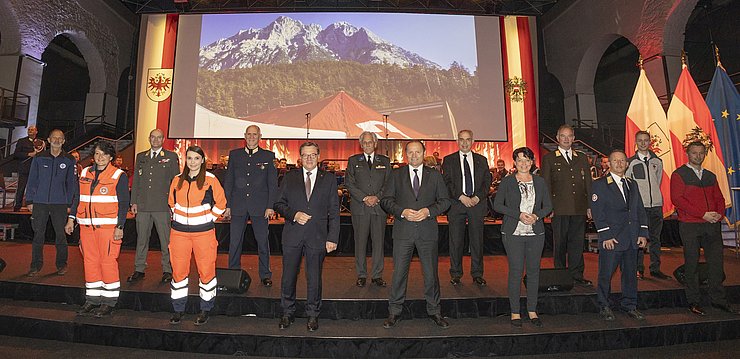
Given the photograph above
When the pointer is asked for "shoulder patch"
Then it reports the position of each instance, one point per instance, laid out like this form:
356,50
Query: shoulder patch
557,153
609,179
209,174
594,197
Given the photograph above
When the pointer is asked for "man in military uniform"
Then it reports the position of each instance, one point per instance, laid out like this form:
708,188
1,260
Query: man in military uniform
153,172
566,172
365,176
251,189
622,225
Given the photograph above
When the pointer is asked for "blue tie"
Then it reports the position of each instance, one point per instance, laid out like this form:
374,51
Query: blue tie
416,184
626,190
468,177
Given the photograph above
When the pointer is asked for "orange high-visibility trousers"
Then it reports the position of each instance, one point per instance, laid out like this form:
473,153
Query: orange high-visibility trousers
203,246
100,257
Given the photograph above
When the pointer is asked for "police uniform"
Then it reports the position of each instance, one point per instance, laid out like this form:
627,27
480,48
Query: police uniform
251,188
618,214
569,183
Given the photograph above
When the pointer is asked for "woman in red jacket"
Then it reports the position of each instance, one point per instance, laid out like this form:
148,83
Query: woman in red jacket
197,200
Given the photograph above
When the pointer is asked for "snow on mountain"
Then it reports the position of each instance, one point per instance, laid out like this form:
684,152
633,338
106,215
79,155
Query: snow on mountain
286,40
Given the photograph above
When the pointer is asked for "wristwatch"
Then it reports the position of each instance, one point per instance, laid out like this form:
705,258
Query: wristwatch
119,227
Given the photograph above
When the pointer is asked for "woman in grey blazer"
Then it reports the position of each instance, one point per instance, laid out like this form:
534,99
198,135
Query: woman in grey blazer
524,201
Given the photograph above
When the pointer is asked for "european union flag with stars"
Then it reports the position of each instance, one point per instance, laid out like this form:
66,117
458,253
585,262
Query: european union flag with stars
723,101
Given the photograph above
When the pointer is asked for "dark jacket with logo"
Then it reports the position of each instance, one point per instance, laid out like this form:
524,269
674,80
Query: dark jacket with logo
251,182
52,180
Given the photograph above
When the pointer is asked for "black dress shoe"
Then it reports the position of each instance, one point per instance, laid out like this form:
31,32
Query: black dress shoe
202,318
726,308
439,321
455,280
32,273
391,321
87,309
479,281
606,314
313,324
583,282
635,314
103,311
135,277
379,282
62,271
640,275
166,277
176,318
536,322
361,282
660,275
516,323
696,309
267,282
285,321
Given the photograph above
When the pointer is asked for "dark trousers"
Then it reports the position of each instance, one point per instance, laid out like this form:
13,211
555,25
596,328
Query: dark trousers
39,219
21,191
144,222
521,251
655,226
609,260
403,250
457,219
292,254
260,226
569,233
374,226
707,236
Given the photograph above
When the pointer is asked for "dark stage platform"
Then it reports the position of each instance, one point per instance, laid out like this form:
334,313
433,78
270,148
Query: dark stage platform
351,318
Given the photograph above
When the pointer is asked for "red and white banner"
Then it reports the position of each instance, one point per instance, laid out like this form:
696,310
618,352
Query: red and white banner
519,83
646,114
689,120
156,65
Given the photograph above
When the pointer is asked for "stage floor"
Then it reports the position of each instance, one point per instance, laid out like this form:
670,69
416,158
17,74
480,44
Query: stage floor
338,277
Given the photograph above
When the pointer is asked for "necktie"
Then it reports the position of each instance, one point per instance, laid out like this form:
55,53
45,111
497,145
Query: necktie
625,190
250,151
468,177
154,154
416,184
567,157
369,162
308,185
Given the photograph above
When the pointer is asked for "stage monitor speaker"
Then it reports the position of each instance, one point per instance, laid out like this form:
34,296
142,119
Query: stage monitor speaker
680,274
554,280
233,280
2,265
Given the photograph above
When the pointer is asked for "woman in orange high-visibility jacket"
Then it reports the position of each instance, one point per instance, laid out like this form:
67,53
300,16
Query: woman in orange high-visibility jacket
100,209
197,200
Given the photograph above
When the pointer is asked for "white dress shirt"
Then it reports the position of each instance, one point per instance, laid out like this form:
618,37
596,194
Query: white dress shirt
420,172
462,169
313,177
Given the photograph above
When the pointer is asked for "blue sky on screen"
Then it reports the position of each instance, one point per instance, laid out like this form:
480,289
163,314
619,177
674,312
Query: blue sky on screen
439,38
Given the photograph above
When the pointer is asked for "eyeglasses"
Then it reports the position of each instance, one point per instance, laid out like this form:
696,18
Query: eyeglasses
312,156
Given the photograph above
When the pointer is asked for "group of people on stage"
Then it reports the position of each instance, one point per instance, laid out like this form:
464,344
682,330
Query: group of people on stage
182,206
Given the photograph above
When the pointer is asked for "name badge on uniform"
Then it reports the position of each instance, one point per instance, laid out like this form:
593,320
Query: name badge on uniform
164,160
380,167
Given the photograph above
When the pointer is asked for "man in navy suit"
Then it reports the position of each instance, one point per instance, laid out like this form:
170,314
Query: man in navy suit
468,179
415,195
308,201
251,187
621,223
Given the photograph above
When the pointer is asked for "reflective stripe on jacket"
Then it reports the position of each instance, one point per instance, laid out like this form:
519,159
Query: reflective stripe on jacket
195,209
98,201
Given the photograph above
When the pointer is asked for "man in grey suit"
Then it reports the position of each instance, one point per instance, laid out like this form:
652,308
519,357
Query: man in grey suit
153,172
366,174
467,177
415,195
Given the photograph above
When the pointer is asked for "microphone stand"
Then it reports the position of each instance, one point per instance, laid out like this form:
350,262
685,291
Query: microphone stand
308,124
385,124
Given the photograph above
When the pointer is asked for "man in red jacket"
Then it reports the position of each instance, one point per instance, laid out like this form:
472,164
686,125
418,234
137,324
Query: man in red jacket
700,205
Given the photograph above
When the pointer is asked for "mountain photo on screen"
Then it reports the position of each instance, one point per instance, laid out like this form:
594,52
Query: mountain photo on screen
340,73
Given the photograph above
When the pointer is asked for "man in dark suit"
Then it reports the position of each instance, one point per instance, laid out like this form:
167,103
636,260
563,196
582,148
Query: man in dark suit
622,226
251,187
366,174
153,172
566,172
415,195
308,201
25,150
468,179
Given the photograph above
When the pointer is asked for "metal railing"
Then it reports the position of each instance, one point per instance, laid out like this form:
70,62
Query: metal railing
578,142
14,108
128,136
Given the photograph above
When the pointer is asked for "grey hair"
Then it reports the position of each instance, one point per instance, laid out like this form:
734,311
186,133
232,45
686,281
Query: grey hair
375,136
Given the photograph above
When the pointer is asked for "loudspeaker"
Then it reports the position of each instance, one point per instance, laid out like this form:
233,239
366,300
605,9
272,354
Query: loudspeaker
680,274
2,265
233,280
554,280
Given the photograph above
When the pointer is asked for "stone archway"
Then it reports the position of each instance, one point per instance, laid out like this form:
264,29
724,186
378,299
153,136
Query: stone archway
95,64
10,42
584,85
